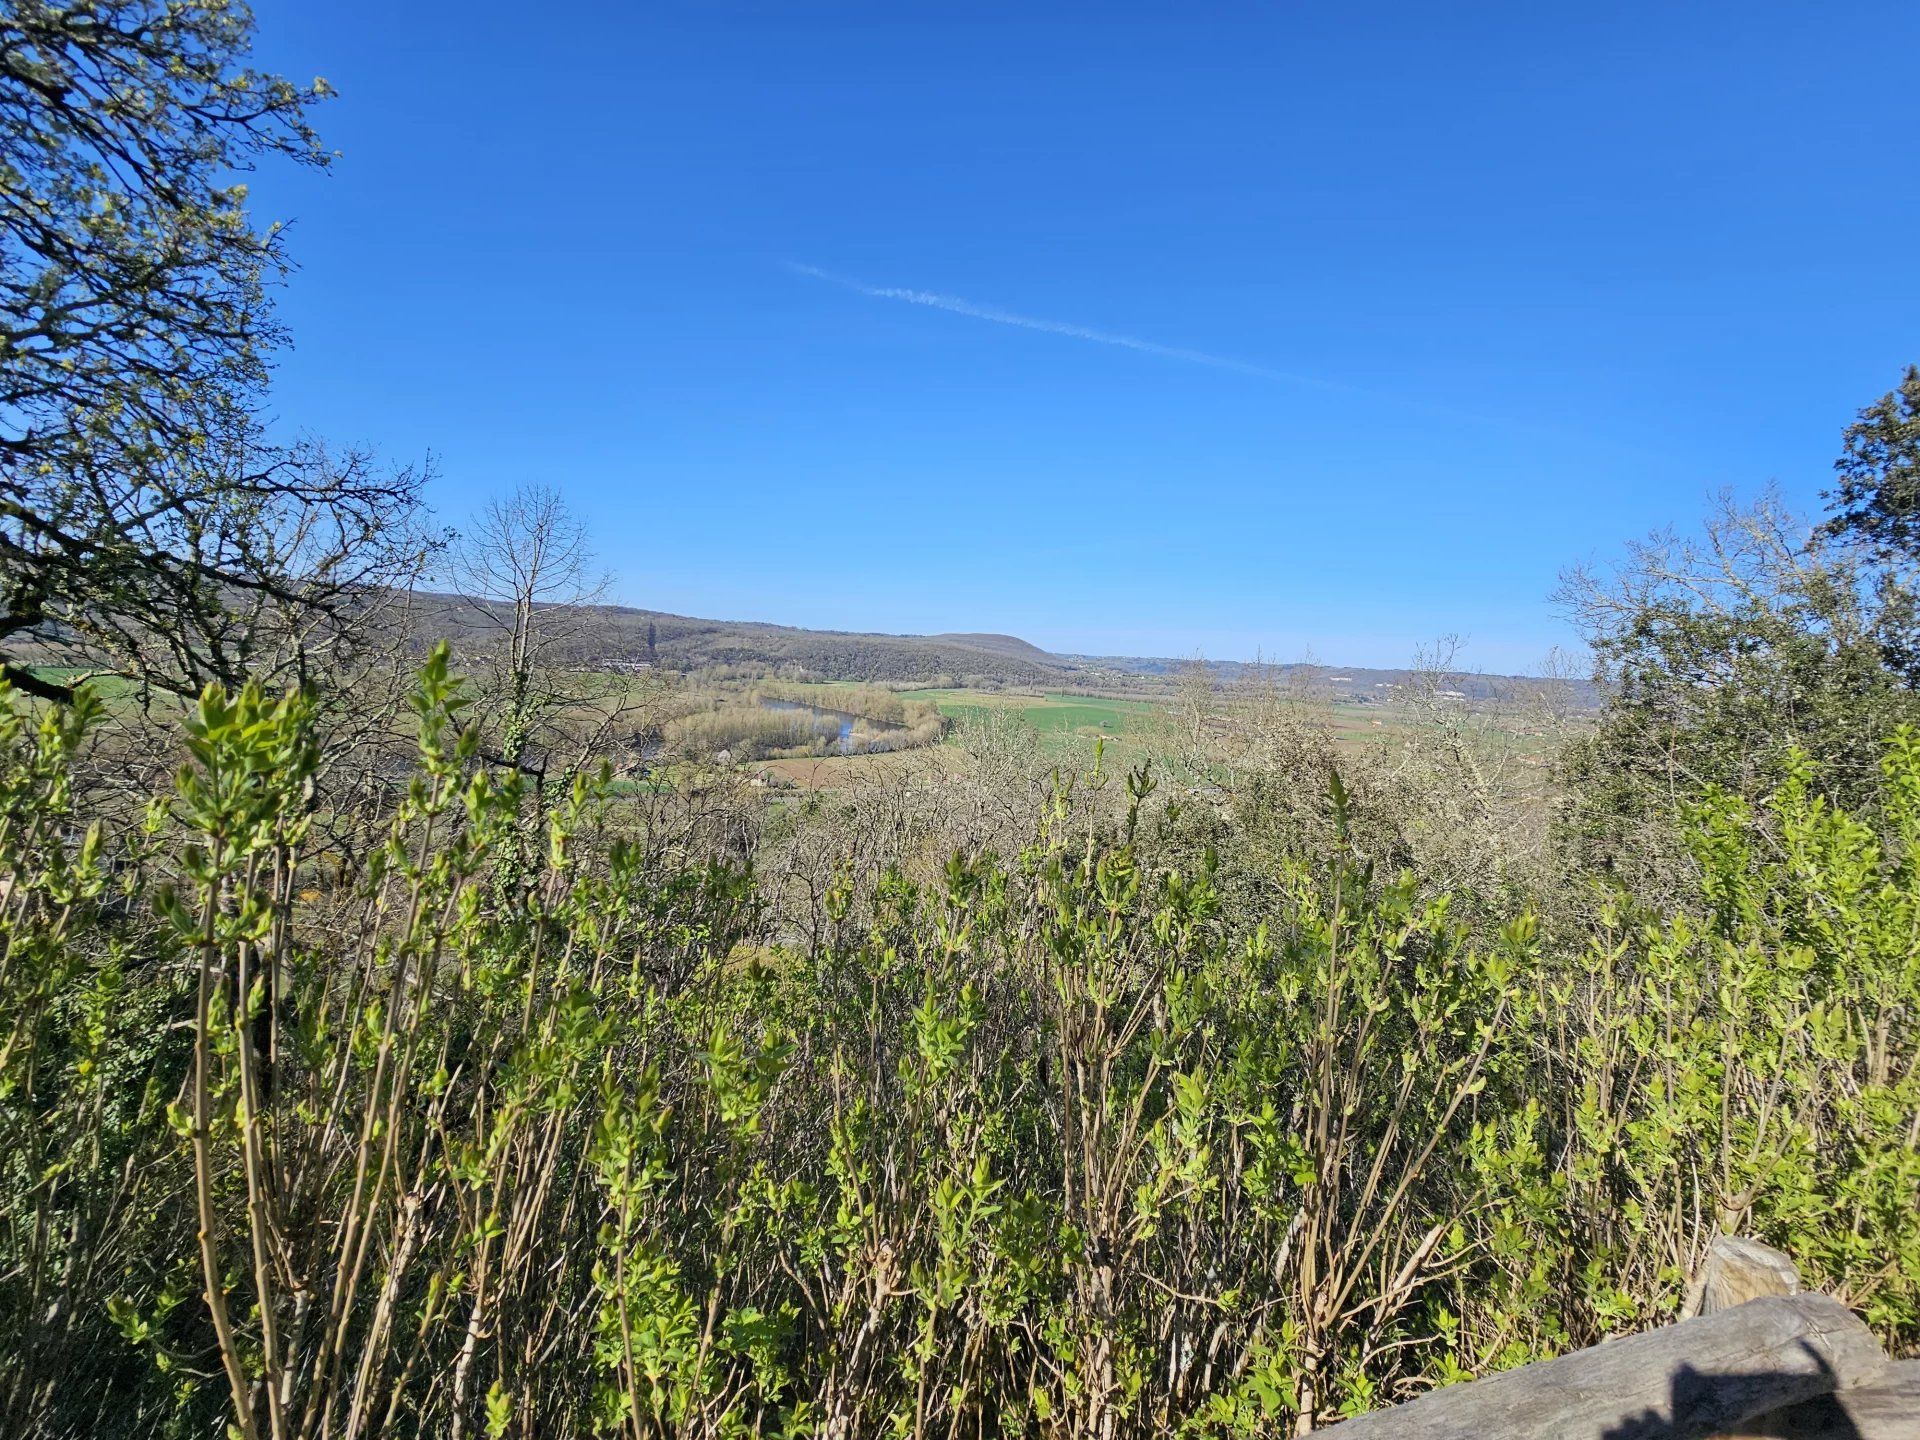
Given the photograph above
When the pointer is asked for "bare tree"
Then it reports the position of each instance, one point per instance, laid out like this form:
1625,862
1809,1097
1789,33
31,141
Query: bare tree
525,569
1195,700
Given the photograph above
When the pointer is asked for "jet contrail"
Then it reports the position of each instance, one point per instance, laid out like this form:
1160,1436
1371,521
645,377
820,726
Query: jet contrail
953,305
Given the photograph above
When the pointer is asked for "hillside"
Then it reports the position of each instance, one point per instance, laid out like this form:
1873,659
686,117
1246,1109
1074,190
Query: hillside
617,634
1011,646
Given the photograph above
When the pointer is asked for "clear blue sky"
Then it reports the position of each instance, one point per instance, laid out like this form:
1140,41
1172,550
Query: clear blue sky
1347,325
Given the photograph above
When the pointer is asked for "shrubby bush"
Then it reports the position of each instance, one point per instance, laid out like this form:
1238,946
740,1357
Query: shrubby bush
749,732
1725,654
884,719
1050,1142
870,702
758,731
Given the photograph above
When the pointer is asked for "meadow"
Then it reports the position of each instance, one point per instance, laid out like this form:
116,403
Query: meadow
1047,712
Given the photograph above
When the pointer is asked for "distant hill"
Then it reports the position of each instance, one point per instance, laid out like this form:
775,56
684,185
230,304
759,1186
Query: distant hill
1011,646
684,642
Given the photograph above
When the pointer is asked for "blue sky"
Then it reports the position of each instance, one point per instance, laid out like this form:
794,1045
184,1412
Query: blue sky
1238,329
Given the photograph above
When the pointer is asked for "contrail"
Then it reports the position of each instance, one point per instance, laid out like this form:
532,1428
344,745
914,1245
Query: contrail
954,305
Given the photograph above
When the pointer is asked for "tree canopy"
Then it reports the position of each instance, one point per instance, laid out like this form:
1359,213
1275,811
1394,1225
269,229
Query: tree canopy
148,524
1728,653
1878,498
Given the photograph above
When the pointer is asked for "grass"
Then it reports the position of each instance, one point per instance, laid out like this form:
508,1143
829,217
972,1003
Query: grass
1049,713
110,688
1068,726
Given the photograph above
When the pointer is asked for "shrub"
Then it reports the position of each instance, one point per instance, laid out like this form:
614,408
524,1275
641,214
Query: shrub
750,732
1051,1144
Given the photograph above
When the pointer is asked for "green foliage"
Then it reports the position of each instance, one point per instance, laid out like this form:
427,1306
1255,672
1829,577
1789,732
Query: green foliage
1734,1070
1878,497
1052,1144
1726,656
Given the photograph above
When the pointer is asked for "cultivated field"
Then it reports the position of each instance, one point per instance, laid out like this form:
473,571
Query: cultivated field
1050,713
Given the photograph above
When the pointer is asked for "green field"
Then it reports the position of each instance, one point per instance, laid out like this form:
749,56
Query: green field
111,688
1050,713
